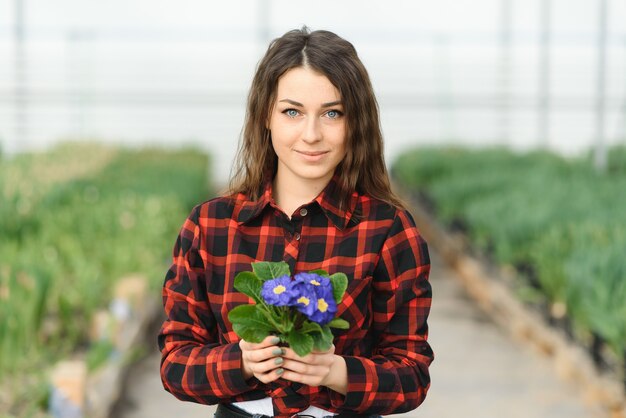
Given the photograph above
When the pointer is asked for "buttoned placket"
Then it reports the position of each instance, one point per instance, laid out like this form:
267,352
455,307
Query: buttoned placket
293,235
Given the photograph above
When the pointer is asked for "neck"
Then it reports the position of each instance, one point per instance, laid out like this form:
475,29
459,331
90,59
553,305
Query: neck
290,194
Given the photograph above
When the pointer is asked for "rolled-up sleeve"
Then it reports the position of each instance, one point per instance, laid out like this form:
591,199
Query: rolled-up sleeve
395,378
194,366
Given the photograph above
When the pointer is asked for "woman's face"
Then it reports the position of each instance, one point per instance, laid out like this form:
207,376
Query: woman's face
308,127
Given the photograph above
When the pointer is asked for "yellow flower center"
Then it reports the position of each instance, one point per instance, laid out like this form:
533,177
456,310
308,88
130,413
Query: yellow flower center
304,300
322,305
279,289
315,282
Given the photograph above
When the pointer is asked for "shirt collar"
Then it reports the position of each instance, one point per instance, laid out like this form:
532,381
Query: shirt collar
328,200
251,209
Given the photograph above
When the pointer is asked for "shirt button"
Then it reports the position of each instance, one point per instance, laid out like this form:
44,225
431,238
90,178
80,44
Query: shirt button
303,212
297,236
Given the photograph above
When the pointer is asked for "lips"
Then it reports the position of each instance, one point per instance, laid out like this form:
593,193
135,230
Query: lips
312,156
312,153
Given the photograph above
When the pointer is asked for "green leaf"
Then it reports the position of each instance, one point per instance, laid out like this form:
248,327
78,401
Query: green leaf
319,343
309,327
248,316
322,336
339,323
340,284
300,342
266,270
250,334
249,284
324,340
320,272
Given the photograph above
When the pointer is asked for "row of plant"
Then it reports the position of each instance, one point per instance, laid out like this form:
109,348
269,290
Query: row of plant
73,221
556,220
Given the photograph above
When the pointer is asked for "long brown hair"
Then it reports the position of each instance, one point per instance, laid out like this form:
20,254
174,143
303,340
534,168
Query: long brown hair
363,168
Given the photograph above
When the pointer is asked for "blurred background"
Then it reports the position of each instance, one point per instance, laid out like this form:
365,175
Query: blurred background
117,117
525,74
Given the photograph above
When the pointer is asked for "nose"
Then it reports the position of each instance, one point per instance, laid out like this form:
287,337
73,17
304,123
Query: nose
312,131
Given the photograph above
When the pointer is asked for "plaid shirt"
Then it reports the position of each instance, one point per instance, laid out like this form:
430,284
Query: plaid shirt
387,301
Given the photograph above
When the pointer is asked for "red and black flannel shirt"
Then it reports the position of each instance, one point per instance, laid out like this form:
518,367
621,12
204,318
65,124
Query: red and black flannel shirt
387,301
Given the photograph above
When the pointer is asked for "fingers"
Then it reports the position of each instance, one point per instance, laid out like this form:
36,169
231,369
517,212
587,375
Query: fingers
312,369
262,360
267,342
312,358
305,373
267,371
268,362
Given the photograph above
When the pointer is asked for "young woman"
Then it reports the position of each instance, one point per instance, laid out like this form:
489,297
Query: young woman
310,188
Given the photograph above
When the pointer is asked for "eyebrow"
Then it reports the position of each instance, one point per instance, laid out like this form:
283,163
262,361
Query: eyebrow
298,104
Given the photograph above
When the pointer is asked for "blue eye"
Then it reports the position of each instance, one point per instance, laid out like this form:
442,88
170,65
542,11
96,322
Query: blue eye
334,114
292,113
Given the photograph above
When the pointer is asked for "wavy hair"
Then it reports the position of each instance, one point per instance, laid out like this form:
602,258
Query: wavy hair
363,168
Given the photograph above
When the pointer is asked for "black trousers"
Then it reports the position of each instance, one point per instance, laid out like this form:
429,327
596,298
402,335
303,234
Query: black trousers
231,411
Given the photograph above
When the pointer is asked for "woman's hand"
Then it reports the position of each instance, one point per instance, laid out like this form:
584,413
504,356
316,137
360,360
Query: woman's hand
316,369
262,360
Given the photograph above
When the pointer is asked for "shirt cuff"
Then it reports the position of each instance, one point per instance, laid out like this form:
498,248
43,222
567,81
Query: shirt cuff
228,374
360,386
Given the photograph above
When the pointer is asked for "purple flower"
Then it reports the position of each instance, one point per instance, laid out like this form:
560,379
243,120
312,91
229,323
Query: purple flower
325,306
309,293
278,291
304,298
314,279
